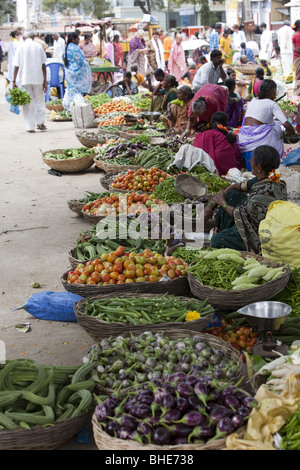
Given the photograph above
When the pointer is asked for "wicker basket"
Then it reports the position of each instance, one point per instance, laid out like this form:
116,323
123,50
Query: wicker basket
44,438
71,165
179,333
246,69
178,287
112,169
99,329
55,107
231,299
88,141
106,181
106,442
76,206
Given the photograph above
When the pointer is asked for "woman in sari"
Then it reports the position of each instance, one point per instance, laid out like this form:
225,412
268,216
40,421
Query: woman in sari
177,112
225,47
255,83
89,51
243,206
78,71
296,56
259,126
177,63
165,92
155,53
220,144
137,52
208,100
118,51
235,107
124,87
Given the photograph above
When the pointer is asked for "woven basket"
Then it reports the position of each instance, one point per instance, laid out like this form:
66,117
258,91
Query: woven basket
44,438
55,107
71,165
88,141
106,181
111,169
76,206
106,442
99,329
179,333
231,299
246,69
178,287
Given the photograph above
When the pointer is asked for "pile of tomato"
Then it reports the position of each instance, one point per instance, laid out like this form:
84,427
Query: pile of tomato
143,179
242,338
119,267
125,204
116,106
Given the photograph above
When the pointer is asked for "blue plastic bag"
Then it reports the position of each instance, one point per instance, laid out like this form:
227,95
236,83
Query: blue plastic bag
292,158
13,109
55,306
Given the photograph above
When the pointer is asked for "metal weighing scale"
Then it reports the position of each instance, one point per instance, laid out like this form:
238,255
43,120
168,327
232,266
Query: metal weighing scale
267,318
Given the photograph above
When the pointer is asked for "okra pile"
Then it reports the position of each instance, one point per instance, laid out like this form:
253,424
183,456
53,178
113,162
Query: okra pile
144,310
32,394
226,269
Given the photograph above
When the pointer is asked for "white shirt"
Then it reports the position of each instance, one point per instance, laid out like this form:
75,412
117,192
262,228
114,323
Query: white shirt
285,35
30,57
59,49
237,39
12,47
206,74
266,44
265,110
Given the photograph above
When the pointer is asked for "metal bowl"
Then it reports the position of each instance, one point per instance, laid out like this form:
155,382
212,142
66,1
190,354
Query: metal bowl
266,316
151,115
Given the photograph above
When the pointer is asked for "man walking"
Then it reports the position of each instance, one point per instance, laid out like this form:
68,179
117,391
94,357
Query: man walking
285,34
30,68
266,43
59,47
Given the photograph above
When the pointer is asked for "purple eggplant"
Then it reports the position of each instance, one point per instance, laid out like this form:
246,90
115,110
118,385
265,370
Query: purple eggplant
201,390
140,411
161,436
129,422
191,380
102,412
249,402
123,433
237,421
243,411
179,429
179,441
182,404
168,402
184,389
112,402
231,402
193,418
172,415
218,412
112,427
240,395
205,433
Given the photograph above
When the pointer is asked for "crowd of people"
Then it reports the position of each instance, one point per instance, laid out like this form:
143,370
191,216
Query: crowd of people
196,95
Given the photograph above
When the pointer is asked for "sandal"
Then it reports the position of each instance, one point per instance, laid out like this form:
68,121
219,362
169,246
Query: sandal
31,132
42,127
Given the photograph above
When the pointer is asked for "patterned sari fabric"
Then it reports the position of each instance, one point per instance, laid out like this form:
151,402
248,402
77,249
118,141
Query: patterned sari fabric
296,60
235,113
216,99
78,73
241,231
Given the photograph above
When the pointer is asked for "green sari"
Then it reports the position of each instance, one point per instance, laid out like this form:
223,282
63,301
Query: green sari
241,231
160,102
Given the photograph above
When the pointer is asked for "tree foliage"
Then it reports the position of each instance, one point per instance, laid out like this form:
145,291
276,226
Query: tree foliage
98,8
7,7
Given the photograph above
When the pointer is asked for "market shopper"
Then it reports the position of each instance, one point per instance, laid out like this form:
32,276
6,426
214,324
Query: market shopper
243,206
137,52
88,47
211,72
167,44
296,57
78,71
12,47
256,81
266,42
118,51
177,111
285,42
235,107
220,144
58,47
259,126
214,37
30,72
177,63
155,53
208,100
226,47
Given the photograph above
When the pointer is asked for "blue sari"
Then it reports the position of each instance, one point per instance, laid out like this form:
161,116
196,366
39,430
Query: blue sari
78,74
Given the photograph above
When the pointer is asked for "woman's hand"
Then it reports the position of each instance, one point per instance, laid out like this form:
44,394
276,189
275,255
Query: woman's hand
219,198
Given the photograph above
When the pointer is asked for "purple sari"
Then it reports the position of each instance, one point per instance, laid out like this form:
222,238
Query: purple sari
235,113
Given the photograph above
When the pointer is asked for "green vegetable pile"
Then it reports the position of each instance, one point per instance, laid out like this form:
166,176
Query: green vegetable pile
188,255
226,269
70,153
90,246
33,395
155,156
19,97
291,294
127,361
90,196
290,432
165,191
144,310
141,101
213,182
55,102
98,100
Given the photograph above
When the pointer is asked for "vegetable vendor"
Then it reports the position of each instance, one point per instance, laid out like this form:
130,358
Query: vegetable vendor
220,144
208,100
177,113
124,87
259,126
242,206
165,92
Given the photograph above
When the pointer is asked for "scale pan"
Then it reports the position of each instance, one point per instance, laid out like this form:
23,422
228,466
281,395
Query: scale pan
266,316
